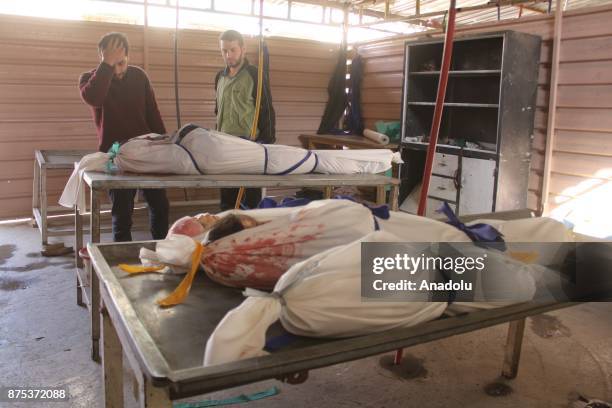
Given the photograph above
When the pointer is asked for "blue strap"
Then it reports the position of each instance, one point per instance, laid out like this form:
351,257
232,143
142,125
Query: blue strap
236,400
191,157
268,202
295,166
316,163
278,342
265,158
380,211
185,131
484,235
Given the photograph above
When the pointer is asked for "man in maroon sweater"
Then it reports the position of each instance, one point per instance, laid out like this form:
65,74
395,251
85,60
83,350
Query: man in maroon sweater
123,106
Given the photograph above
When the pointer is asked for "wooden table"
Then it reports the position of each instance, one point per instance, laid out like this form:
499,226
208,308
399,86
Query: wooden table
99,182
313,141
165,348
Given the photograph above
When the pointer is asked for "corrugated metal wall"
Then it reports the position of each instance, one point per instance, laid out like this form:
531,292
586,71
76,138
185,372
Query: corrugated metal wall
40,107
582,152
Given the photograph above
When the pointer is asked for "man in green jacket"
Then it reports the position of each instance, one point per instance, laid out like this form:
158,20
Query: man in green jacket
236,90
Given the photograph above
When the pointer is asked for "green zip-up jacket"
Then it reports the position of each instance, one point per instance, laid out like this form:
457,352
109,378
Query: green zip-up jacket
235,104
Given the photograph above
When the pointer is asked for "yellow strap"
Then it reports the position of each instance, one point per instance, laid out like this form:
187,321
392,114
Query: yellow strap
259,92
182,290
134,269
257,109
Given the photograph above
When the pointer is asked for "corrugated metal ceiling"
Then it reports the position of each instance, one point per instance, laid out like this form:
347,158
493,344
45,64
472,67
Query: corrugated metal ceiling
407,8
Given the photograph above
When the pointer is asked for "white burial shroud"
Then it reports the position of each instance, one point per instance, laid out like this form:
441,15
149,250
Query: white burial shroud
195,150
320,296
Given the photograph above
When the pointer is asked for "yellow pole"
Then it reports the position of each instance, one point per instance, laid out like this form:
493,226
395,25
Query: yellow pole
259,92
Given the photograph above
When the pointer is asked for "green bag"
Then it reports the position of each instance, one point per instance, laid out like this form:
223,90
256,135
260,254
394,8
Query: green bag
391,129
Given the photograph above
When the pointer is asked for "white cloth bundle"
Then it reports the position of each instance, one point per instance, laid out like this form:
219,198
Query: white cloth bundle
153,153
195,150
413,228
320,297
376,137
74,192
516,275
535,231
257,257
177,249
174,252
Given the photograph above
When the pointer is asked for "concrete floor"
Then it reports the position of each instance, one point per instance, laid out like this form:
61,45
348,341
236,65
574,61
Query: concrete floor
44,341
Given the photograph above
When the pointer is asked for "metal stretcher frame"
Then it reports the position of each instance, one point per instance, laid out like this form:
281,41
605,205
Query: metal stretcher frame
45,160
132,325
99,182
50,160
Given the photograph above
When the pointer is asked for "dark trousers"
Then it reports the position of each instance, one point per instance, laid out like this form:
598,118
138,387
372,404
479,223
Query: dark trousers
123,207
251,198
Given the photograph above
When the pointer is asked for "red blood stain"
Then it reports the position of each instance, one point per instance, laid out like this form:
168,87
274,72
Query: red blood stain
257,262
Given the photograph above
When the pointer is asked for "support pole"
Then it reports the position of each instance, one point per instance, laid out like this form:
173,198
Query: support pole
437,119
176,75
552,106
439,108
145,37
259,92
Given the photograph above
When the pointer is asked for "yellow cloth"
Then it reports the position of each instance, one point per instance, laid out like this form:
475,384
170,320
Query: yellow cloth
182,290
525,257
134,269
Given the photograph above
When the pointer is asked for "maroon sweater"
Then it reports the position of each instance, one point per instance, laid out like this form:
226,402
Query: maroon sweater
122,108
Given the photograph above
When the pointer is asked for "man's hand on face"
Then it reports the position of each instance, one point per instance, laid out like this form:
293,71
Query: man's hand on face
114,53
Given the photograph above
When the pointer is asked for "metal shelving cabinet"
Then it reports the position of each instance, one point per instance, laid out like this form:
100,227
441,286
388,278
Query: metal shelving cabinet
484,147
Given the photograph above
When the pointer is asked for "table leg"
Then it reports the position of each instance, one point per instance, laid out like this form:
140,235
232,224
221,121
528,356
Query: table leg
513,348
393,198
78,237
43,205
328,192
78,244
95,284
112,363
154,397
144,392
380,195
95,216
36,190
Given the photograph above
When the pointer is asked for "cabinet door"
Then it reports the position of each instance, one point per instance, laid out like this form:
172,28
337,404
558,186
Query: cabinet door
445,164
477,186
444,188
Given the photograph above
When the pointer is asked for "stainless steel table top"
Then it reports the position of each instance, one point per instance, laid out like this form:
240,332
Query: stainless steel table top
169,343
99,180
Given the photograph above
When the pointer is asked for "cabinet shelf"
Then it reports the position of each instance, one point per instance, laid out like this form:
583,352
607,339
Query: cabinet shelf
450,149
492,80
457,105
476,72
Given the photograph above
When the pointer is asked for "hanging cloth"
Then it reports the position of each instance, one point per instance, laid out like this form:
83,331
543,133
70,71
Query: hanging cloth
337,100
